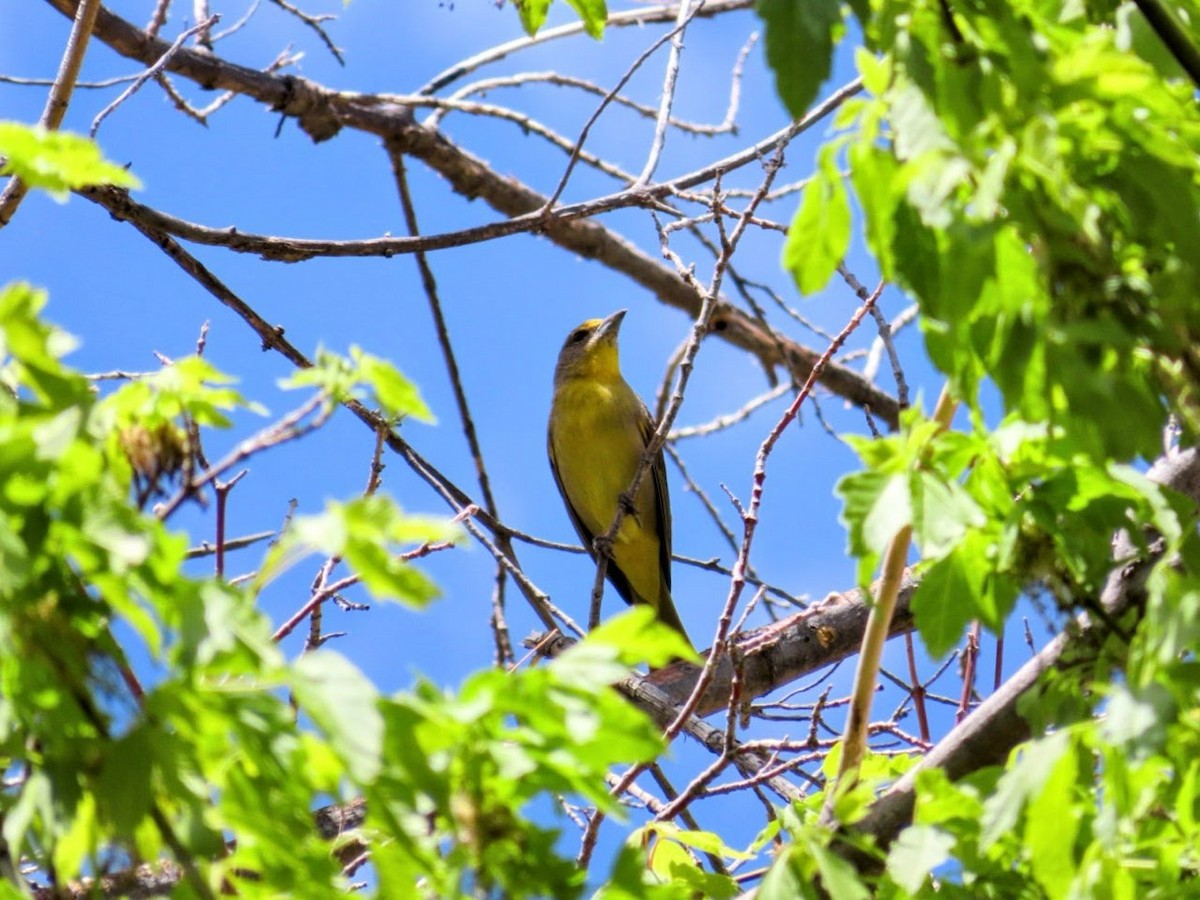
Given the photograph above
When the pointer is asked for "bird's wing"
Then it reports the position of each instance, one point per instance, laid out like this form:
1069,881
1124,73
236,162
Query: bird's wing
612,570
582,530
662,499
662,507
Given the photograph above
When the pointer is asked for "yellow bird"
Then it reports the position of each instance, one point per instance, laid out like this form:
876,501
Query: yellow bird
599,430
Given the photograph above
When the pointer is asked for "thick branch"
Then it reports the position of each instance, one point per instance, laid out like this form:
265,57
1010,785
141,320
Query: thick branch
990,733
60,95
1173,35
828,632
773,656
784,651
322,113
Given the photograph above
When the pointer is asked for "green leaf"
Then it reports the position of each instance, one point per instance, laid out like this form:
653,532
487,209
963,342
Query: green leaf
57,161
190,385
35,803
919,131
918,851
988,192
667,859
343,704
39,348
1022,782
627,639
704,841
942,514
699,883
532,14
838,877
344,379
820,232
1136,720
124,790
874,174
1051,826
800,35
943,602
933,181
876,505
80,841
875,71
627,880
941,800
368,533
594,14
56,436
1186,801
782,881
395,394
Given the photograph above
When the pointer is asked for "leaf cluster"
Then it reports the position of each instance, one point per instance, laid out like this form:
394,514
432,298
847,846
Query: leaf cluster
221,761
57,161
1027,172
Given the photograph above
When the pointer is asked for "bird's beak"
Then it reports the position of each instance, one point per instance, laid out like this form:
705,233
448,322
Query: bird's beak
609,327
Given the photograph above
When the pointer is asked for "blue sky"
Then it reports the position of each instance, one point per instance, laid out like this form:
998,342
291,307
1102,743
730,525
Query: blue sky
509,303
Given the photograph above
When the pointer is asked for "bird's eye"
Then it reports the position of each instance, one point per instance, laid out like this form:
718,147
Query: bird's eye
579,335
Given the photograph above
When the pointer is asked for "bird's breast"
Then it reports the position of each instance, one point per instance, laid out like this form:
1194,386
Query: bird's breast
597,442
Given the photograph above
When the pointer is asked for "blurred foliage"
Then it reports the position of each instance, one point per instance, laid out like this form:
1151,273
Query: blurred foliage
1028,172
57,161
98,778
592,13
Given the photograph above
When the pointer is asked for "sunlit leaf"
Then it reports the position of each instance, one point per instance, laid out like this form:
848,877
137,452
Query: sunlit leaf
340,699
820,232
57,161
800,35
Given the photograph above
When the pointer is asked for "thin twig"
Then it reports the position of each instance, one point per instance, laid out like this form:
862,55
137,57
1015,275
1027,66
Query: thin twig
667,97
151,72
328,590
730,419
854,742
59,97
885,335
605,101
665,13
289,428
917,690
970,660
316,24
905,317
558,79
504,651
158,18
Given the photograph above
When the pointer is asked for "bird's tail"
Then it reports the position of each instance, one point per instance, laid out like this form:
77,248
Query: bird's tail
668,616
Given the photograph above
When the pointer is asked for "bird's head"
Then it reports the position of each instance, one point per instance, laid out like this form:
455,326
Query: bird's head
590,350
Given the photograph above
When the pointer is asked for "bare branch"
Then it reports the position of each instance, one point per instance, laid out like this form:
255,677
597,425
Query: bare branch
996,726
85,15
617,20
321,113
151,72
316,23
667,98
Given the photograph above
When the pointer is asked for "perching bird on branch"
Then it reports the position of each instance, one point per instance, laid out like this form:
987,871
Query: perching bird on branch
599,431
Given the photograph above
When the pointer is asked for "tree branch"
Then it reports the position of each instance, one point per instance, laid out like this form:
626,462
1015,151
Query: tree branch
321,113
1173,36
60,95
779,653
989,734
